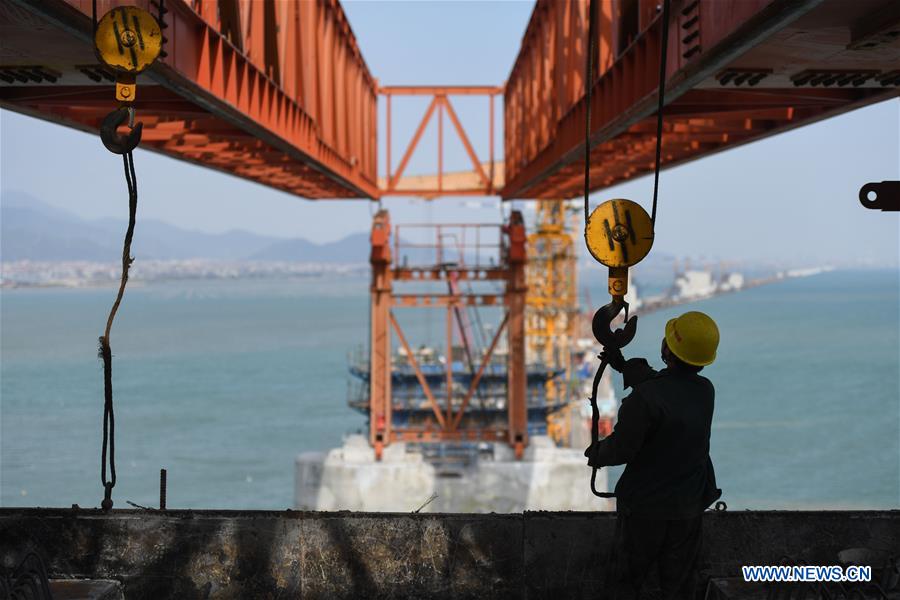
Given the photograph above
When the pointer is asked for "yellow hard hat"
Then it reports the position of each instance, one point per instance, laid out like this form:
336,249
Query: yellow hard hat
693,337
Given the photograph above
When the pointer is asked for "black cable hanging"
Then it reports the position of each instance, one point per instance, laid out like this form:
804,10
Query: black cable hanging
109,419
588,90
663,52
589,81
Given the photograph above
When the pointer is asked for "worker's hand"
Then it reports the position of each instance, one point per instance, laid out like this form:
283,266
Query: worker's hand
591,452
613,357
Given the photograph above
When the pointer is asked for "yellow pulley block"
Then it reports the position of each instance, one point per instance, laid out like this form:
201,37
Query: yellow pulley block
619,234
127,40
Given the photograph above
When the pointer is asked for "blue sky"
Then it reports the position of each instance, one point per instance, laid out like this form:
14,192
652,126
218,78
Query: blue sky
793,195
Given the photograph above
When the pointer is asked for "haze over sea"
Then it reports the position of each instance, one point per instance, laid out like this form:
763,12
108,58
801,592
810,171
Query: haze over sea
224,382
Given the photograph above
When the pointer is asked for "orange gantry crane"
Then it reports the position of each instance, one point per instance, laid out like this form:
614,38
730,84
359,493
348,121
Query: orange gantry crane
278,92
452,254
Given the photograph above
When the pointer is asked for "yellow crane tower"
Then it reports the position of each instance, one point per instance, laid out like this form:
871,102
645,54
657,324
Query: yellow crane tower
551,313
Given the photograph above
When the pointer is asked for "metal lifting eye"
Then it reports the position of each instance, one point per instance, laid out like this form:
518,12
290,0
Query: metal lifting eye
885,195
113,140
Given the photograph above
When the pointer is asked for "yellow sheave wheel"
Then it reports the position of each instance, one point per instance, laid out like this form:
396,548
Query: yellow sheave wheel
619,233
128,39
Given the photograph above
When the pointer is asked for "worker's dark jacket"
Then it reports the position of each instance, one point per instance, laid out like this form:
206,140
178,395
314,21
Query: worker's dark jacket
662,433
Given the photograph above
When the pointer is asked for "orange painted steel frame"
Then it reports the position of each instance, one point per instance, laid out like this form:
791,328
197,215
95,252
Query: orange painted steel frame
274,92
277,91
385,271
735,73
441,102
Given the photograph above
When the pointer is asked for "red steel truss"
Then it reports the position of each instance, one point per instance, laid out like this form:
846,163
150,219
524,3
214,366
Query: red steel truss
278,92
274,92
736,72
389,269
483,177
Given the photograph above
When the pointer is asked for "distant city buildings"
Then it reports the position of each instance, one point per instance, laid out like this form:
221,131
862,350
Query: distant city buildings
83,273
693,285
732,282
689,285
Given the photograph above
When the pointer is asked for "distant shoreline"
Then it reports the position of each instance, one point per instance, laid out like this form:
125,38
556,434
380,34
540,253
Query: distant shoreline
29,274
86,275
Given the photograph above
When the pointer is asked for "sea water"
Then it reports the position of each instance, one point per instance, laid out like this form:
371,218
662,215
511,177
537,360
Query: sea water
223,382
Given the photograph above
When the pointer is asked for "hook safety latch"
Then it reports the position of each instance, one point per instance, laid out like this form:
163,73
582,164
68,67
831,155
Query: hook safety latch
114,141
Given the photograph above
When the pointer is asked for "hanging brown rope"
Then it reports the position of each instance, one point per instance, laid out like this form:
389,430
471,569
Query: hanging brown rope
109,420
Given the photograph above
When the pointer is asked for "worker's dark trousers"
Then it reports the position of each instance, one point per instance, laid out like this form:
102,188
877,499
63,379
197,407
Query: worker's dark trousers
640,543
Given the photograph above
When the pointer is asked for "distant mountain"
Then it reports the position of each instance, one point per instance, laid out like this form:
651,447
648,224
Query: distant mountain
33,230
155,239
352,249
30,229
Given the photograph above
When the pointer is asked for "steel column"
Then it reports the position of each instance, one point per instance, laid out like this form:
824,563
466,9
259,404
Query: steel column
380,342
516,288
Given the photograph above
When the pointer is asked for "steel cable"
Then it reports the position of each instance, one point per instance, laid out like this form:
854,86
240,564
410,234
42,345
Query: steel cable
663,53
588,88
595,430
588,78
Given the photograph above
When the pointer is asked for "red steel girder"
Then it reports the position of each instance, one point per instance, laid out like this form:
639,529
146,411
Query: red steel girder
770,40
284,77
691,132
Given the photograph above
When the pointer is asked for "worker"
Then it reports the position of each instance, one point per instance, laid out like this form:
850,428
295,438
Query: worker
662,436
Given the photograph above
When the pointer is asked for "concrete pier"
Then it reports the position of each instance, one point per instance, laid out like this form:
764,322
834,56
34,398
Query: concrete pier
349,478
248,555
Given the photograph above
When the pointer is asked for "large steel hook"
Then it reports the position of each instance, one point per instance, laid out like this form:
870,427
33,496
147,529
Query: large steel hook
601,325
114,141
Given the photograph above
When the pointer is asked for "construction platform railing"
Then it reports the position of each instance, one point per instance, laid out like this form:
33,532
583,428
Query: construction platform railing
430,247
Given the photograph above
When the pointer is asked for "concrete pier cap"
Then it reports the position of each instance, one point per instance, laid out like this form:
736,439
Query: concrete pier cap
492,480
334,555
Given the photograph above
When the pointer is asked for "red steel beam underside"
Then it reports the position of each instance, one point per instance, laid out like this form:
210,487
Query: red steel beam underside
769,42
277,93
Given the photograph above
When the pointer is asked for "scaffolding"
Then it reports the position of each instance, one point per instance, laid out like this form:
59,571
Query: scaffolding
551,306
449,255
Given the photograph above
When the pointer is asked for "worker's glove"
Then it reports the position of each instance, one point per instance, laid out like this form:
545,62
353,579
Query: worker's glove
613,357
591,454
